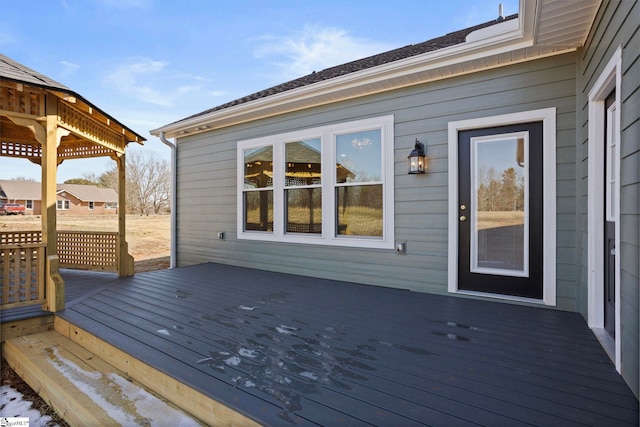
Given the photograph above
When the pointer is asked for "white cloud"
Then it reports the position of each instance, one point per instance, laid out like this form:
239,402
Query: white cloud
313,49
68,68
135,78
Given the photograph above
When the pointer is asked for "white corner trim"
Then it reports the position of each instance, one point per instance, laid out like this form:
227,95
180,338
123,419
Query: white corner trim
610,78
548,118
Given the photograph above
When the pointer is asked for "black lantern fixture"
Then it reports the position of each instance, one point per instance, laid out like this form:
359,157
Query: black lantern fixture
417,159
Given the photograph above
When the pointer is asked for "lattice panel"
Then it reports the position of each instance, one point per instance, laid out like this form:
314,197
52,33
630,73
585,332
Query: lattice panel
85,125
82,150
20,237
25,102
22,150
85,250
22,275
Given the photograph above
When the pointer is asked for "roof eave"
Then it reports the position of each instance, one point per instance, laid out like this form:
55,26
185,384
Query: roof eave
360,83
508,36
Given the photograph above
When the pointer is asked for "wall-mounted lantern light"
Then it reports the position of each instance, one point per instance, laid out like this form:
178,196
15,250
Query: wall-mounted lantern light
418,161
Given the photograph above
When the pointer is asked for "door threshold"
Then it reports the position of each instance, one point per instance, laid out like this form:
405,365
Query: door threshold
607,342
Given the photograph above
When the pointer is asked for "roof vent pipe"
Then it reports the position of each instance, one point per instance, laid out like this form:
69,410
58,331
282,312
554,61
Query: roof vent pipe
500,12
174,198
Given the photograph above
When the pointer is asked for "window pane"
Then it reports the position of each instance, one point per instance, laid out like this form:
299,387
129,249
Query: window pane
304,210
499,236
258,167
358,157
359,210
258,210
303,163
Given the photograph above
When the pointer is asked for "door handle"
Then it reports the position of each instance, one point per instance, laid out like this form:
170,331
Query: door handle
463,218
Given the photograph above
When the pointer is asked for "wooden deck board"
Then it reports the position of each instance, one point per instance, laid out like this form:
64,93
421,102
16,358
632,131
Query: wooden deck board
277,347
384,352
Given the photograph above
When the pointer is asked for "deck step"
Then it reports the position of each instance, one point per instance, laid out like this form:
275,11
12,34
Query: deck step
84,389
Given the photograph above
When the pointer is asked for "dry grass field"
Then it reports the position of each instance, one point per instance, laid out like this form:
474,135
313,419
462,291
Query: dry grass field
148,236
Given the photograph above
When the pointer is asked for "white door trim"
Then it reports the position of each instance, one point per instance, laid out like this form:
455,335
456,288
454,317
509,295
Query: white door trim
548,118
610,78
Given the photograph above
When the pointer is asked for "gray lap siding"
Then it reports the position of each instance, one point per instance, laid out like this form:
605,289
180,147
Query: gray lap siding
207,179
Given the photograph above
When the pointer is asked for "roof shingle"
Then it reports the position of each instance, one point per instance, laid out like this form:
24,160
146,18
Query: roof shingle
448,40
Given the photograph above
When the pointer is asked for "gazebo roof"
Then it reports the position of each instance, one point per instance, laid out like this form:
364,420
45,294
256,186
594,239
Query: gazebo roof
90,132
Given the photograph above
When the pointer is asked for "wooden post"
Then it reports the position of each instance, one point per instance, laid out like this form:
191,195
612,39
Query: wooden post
49,175
125,261
55,288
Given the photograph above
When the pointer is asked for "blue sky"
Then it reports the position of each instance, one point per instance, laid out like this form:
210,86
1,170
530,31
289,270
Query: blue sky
152,62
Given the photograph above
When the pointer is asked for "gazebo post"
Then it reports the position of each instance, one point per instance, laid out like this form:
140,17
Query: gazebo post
125,265
55,284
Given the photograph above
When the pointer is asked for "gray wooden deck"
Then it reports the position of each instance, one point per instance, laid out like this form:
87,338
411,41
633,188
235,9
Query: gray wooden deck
291,350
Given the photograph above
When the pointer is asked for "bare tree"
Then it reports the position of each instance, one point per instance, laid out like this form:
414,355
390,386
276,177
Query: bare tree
148,182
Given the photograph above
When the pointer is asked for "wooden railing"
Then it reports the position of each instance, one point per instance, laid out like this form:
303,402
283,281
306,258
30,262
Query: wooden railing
22,269
23,261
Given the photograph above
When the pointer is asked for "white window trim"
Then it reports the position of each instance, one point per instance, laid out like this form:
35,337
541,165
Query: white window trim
91,205
66,205
610,78
548,118
327,135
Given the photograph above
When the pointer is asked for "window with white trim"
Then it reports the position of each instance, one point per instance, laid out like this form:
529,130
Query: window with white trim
329,185
63,205
91,206
29,204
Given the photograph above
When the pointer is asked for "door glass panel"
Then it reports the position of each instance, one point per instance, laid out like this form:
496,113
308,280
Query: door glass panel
499,205
611,172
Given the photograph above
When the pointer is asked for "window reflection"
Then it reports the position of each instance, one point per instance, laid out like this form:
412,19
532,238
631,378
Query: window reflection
304,210
258,167
359,157
258,208
359,210
500,171
303,163
258,176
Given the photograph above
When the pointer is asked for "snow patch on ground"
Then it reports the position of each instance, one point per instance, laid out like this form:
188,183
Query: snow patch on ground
286,330
13,405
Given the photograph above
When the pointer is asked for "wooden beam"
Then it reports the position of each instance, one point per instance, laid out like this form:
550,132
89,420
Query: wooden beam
39,132
19,328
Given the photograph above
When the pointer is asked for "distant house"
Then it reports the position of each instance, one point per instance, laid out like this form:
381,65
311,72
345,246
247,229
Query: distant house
531,126
72,199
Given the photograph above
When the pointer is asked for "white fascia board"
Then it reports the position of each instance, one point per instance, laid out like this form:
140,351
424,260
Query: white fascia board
505,37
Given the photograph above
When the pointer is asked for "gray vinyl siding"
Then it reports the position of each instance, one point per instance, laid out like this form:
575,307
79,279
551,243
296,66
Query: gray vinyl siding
207,179
617,24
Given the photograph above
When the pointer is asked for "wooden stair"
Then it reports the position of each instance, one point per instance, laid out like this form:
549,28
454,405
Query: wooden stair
89,382
84,389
